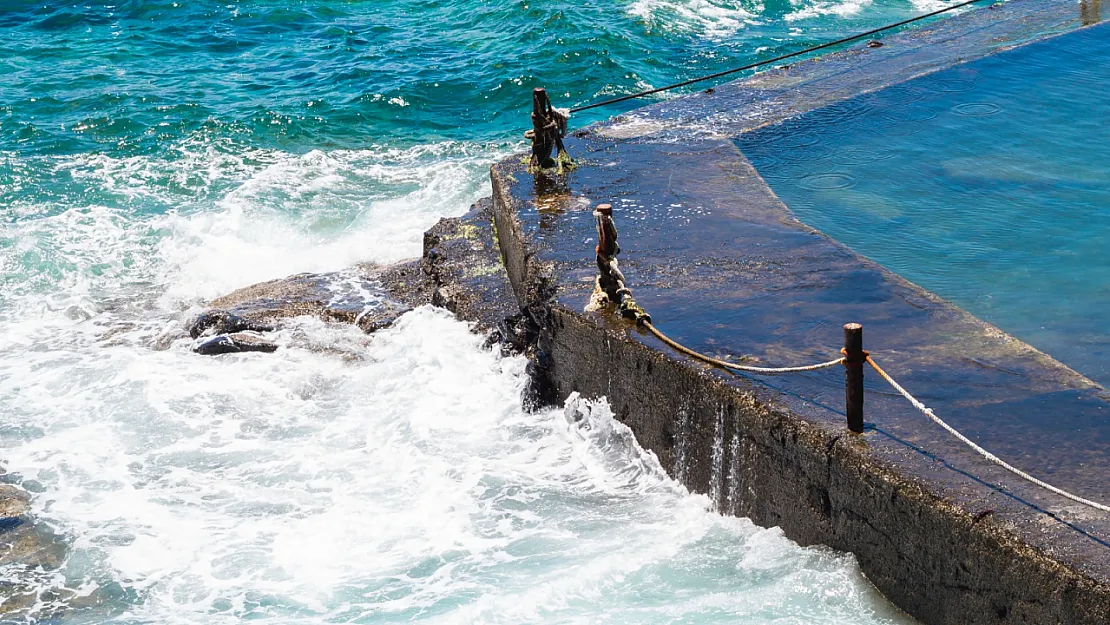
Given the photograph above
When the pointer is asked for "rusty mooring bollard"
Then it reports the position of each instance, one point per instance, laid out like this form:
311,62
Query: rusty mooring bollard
854,358
607,248
610,278
541,139
549,126
610,286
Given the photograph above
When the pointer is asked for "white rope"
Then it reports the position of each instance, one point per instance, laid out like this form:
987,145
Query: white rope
823,365
983,452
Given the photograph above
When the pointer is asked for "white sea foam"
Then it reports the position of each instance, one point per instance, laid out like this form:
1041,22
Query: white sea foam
840,8
933,5
298,487
206,220
321,212
714,19
403,484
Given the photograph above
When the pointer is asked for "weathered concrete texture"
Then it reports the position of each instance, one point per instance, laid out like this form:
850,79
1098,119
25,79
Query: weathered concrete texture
725,268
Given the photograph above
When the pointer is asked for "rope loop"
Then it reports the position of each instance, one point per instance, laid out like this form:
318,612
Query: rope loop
853,359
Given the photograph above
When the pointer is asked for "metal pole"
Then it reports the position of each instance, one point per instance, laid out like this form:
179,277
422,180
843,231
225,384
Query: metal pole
541,135
854,358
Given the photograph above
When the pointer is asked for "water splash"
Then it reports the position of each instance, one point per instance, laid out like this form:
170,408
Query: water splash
735,488
682,442
717,461
713,19
406,486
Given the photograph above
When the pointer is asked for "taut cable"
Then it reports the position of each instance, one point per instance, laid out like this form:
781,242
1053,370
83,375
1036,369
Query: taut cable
776,59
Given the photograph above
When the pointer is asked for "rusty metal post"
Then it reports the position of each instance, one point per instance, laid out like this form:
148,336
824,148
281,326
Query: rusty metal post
609,277
854,358
542,145
610,280
606,232
1089,11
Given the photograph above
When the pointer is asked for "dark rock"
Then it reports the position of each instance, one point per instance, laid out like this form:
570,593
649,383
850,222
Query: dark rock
214,322
464,273
381,316
234,344
356,296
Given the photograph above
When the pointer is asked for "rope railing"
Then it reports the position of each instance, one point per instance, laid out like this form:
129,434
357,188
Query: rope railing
729,365
928,412
610,287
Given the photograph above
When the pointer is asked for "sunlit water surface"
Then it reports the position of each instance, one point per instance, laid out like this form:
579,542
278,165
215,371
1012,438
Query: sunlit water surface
156,154
988,184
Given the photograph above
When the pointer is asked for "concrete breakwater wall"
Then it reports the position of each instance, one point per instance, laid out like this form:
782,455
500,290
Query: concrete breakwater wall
723,264
751,450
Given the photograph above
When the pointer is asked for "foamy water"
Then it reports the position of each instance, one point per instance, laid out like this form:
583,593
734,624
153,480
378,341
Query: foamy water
166,153
402,482
410,485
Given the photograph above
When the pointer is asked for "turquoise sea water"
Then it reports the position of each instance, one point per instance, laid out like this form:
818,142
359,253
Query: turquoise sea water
988,184
157,154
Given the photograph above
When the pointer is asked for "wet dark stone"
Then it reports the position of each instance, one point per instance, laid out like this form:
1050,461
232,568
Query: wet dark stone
381,316
463,264
461,271
214,322
235,343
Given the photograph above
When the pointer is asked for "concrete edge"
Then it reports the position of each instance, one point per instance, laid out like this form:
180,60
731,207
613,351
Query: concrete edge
742,445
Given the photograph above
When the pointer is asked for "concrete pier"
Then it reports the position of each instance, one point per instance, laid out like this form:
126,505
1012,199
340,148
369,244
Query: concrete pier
725,268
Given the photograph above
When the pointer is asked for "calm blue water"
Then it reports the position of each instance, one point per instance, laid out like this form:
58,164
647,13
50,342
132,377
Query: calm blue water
988,184
157,154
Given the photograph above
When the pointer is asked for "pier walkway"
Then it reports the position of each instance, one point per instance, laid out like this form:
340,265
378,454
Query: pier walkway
724,267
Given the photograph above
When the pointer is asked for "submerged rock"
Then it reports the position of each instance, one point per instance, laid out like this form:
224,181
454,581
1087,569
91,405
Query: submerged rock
13,505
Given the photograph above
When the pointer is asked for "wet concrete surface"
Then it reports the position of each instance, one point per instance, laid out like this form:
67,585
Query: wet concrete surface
724,268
